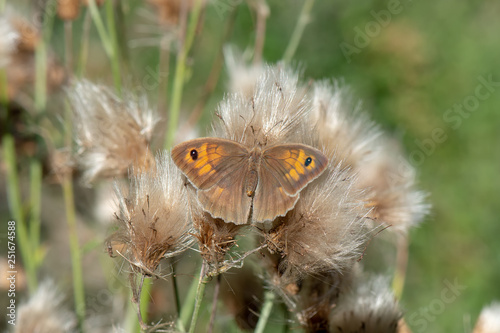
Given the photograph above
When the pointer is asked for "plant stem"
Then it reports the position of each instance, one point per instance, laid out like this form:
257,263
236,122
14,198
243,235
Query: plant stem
199,297
145,298
398,281
180,69
298,31
266,311
78,287
188,306
215,298
15,204
41,76
107,42
36,194
84,49
262,13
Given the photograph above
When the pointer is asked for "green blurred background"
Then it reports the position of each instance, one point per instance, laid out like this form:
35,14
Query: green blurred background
424,58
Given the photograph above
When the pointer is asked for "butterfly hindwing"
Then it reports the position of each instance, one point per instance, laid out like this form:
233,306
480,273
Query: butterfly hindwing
293,165
227,199
205,161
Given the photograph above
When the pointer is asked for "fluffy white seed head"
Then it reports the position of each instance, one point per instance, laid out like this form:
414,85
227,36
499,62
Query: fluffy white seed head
44,313
325,231
275,113
154,217
369,306
243,77
112,133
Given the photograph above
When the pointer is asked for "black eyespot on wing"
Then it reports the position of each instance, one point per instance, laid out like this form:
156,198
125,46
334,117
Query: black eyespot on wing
308,161
194,154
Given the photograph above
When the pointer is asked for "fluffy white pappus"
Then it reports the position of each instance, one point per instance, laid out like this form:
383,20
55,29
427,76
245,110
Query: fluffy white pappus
391,190
277,112
154,217
489,319
344,130
326,230
8,42
112,133
44,313
243,77
369,306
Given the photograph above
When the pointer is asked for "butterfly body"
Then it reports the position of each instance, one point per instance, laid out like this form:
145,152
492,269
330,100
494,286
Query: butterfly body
237,184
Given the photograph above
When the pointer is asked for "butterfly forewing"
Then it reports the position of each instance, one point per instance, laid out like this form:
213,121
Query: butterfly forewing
293,165
206,161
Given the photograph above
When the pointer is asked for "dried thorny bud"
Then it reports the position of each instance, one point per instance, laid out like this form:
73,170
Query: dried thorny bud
44,313
154,219
215,237
489,319
112,133
385,176
324,233
68,10
368,306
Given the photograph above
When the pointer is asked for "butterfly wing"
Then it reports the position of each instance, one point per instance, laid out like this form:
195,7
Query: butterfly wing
218,169
285,170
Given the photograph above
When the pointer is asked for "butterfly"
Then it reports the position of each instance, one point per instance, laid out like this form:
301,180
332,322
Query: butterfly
241,185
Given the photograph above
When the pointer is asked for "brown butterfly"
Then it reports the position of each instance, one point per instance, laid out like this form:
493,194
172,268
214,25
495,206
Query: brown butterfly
240,185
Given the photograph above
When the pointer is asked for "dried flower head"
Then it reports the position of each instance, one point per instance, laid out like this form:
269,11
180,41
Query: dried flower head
154,219
112,133
343,129
215,237
489,319
44,313
324,232
276,113
391,191
387,179
369,306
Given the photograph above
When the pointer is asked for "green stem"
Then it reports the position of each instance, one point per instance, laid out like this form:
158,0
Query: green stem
298,31
145,298
106,40
84,49
41,76
199,297
78,287
188,306
180,69
115,61
266,311
35,192
4,92
15,204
